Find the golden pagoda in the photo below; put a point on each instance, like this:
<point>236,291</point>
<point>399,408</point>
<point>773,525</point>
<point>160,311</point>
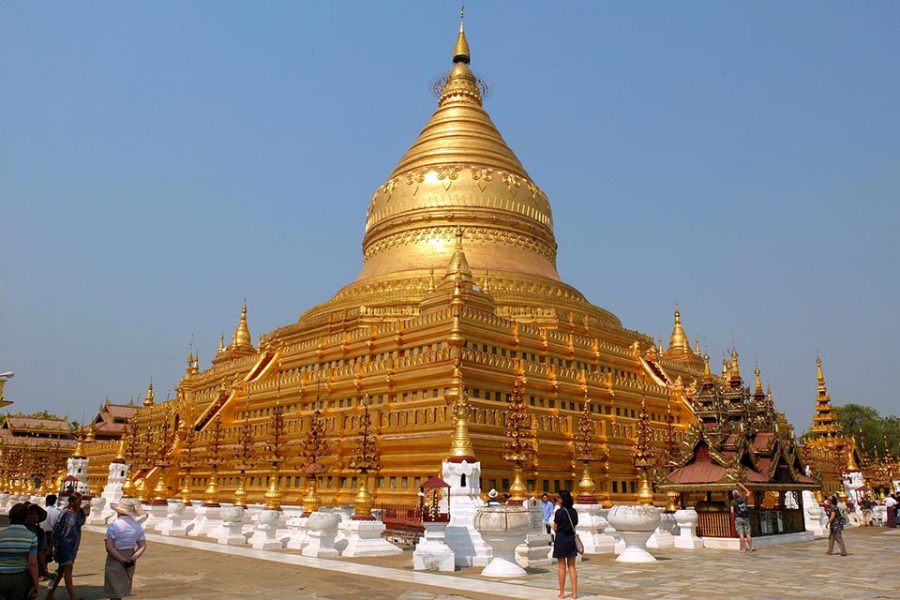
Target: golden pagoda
<point>831,453</point>
<point>417,339</point>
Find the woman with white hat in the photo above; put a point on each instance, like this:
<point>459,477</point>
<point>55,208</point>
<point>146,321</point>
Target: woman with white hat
<point>493,498</point>
<point>125,543</point>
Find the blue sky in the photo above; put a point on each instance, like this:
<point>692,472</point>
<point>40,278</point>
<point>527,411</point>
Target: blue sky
<point>160,161</point>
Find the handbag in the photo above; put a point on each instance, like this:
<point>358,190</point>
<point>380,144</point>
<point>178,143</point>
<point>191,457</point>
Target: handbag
<point>579,547</point>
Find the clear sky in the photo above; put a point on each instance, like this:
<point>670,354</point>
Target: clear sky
<point>160,161</point>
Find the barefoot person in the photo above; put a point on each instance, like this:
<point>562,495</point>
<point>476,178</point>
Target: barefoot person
<point>741,513</point>
<point>67,538</point>
<point>125,544</point>
<point>564,549</point>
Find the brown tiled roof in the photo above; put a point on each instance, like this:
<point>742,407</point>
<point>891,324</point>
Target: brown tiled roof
<point>37,424</point>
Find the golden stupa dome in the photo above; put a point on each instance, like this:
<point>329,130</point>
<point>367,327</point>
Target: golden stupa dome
<point>460,173</point>
<point>460,182</point>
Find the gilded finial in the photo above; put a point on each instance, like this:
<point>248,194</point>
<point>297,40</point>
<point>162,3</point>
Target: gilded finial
<point>697,346</point>
<point>148,399</point>
<point>821,377</point>
<point>707,375</point>
<point>222,342</point>
<point>484,281</point>
<point>90,434</point>
<point>759,390</point>
<point>431,280</point>
<point>120,451</point>
<point>679,341</point>
<point>241,340</point>
<point>458,269</point>
<point>461,50</point>
<point>735,367</point>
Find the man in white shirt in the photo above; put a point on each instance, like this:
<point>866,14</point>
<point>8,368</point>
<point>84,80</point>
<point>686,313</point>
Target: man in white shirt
<point>52,513</point>
<point>889,501</point>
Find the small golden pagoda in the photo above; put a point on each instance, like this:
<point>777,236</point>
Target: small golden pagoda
<point>831,454</point>
<point>458,297</point>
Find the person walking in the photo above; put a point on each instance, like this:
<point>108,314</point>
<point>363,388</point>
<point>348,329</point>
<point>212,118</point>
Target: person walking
<point>835,526</point>
<point>741,513</point>
<point>67,538</point>
<point>36,516</point>
<point>547,508</point>
<point>18,557</point>
<point>47,525</point>
<point>565,549</point>
<point>125,543</point>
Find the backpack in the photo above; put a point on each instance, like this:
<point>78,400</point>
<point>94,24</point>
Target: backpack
<point>843,514</point>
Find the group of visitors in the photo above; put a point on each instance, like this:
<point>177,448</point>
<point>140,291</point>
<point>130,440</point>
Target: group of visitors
<point>37,536</point>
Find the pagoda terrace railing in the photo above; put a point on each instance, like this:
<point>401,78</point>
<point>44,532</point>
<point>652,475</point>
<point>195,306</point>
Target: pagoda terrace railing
<point>762,522</point>
<point>402,520</point>
<point>715,524</point>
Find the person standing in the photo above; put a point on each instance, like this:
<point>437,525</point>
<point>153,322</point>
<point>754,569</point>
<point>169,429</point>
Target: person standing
<point>741,513</point>
<point>865,507</point>
<point>835,526</point>
<point>493,498</point>
<point>18,557</point>
<point>67,538</point>
<point>547,508</point>
<point>47,525</point>
<point>36,516</point>
<point>890,505</point>
<point>565,550</point>
<point>125,543</point>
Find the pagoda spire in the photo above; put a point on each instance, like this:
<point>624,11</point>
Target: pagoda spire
<point>222,342</point>
<point>461,49</point>
<point>241,340</point>
<point>758,393</point>
<point>736,380</point>
<point>458,270</point>
<point>148,399</point>
<point>679,343</point>
<point>824,423</point>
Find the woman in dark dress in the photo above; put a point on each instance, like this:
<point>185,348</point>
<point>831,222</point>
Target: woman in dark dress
<point>564,551</point>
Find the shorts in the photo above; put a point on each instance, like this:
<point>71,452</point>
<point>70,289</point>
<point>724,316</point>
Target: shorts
<point>742,525</point>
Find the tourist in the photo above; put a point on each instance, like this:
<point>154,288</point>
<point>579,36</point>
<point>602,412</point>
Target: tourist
<point>66,539</point>
<point>493,498</point>
<point>565,549</point>
<point>890,504</point>
<point>53,513</point>
<point>36,516</point>
<point>835,525</point>
<point>18,557</point>
<point>865,508</point>
<point>547,508</point>
<point>125,543</point>
<point>741,513</point>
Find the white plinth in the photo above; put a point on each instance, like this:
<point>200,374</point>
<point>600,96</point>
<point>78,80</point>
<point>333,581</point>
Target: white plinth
<point>266,535</point>
<point>432,553</point>
<point>504,528</point>
<point>635,524</point>
<point>321,530</point>
<point>96,516</point>
<point>112,491</point>
<point>814,519</point>
<point>469,548</point>
<point>662,536</point>
<point>232,528</point>
<point>591,529</point>
<point>364,539</point>
<point>156,514</point>
<point>206,518</point>
<point>175,523</point>
<point>297,537</point>
<point>763,541</point>
<point>687,538</point>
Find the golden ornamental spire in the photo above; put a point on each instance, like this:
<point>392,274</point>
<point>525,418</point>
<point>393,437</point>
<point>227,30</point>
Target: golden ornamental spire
<point>79,448</point>
<point>759,390</point>
<point>89,437</point>
<point>120,451</point>
<point>461,448</point>
<point>678,341</point>
<point>821,377</point>
<point>148,399</point>
<point>707,375</point>
<point>458,269</point>
<point>461,50</point>
<point>735,368</point>
<point>241,340</point>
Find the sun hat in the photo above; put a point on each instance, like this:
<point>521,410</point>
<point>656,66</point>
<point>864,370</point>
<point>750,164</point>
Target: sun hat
<point>128,506</point>
<point>493,493</point>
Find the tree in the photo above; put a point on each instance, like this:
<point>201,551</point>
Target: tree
<point>871,430</point>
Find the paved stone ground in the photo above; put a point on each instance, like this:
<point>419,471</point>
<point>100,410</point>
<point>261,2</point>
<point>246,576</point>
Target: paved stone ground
<point>790,571</point>
<point>187,574</point>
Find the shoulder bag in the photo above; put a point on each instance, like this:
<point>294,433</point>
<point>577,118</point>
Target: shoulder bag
<point>579,547</point>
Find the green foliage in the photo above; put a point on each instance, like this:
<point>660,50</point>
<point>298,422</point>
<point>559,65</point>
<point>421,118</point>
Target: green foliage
<point>872,431</point>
